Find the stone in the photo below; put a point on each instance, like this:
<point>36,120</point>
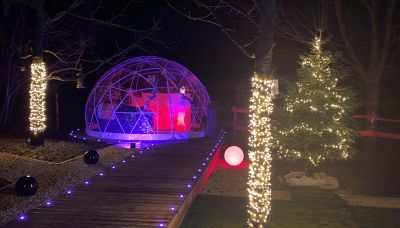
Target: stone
<point>317,180</point>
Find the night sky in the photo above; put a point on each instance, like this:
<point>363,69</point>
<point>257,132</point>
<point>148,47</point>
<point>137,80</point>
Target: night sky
<point>200,47</point>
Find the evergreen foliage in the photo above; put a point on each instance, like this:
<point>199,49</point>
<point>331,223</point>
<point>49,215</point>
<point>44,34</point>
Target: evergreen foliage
<point>316,117</point>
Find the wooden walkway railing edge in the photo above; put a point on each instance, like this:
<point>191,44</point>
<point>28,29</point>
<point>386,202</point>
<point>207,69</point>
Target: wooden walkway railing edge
<point>198,187</point>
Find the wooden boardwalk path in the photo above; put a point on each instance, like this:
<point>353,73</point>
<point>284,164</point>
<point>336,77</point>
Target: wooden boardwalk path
<point>154,189</point>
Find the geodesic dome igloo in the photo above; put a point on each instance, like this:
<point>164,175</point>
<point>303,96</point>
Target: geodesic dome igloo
<point>147,98</point>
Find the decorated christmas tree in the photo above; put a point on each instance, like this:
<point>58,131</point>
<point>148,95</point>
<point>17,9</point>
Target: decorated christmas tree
<point>315,123</point>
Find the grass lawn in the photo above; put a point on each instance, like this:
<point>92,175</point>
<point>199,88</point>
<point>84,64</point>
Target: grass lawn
<point>373,173</point>
<point>308,209</point>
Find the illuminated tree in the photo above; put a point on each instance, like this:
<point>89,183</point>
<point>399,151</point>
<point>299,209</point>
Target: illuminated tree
<point>317,111</point>
<point>365,32</point>
<point>249,25</point>
<point>61,47</point>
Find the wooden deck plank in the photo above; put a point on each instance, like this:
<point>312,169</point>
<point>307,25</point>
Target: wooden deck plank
<point>138,193</point>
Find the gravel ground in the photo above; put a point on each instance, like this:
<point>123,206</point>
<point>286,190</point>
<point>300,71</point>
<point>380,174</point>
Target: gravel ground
<point>53,179</point>
<point>52,151</point>
<point>4,182</point>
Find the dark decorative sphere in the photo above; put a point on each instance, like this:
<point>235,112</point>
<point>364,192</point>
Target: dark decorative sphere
<point>91,157</point>
<point>35,140</point>
<point>26,186</point>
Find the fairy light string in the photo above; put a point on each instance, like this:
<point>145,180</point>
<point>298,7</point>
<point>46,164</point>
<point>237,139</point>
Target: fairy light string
<point>37,117</point>
<point>259,185</point>
<point>318,111</point>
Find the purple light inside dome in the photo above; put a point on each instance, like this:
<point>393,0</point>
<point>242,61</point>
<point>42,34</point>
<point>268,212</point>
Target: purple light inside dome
<point>181,196</point>
<point>139,69</point>
<point>172,208</point>
<point>22,217</point>
<point>194,177</point>
<point>199,170</point>
<point>101,174</point>
<point>123,161</point>
<point>133,156</point>
<point>210,154</point>
<point>49,203</point>
<point>204,163</point>
<point>207,159</point>
<point>189,185</point>
<point>86,182</point>
<point>161,225</point>
<point>141,152</point>
<point>124,145</point>
<point>84,138</point>
<point>98,140</point>
<point>113,167</point>
<point>78,129</point>
<point>69,191</point>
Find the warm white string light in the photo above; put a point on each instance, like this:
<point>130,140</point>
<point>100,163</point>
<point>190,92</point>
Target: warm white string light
<point>317,95</point>
<point>37,94</point>
<point>259,185</point>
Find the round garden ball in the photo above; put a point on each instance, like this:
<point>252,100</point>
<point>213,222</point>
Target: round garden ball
<point>233,155</point>
<point>91,157</point>
<point>26,186</point>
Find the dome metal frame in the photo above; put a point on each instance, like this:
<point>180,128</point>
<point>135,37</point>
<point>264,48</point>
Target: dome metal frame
<point>147,98</point>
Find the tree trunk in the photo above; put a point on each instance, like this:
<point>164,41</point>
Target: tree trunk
<point>308,168</point>
<point>7,107</point>
<point>263,66</point>
<point>372,107</point>
<point>37,45</point>
<point>37,49</point>
<point>57,114</point>
<point>6,118</point>
<point>4,112</point>
<point>372,102</point>
<point>263,52</point>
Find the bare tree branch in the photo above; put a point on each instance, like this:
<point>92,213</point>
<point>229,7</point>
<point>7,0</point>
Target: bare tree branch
<point>356,62</point>
<point>211,16</point>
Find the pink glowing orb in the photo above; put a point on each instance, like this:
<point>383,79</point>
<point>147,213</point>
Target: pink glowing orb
<point>233,155</point>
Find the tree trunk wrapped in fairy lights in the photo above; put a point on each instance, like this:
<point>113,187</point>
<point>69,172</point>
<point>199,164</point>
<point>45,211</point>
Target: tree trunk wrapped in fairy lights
<point>37,94</point>
<point>259,185</point>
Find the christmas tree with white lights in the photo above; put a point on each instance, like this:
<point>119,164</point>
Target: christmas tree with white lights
<point>317,113</point>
